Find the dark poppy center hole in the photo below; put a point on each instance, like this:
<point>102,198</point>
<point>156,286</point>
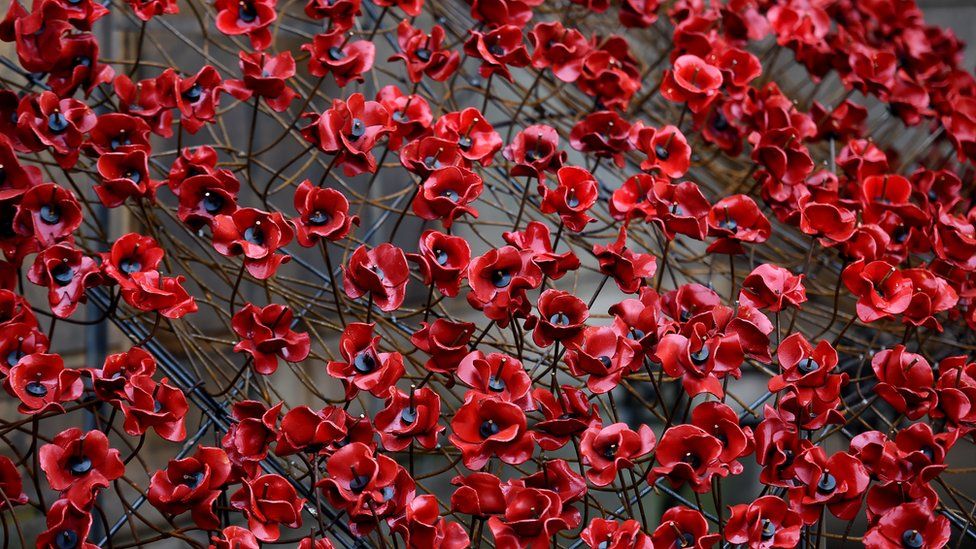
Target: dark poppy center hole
<point>808,365</point>
<point>661,152</point>
<point>559,319</point>
<point>79,465</point>
<point>700,356</point>
<point>57,123</point>
<point>364,362</point>
<point>912,539</point>
<point>423,54</point>
<point>193,94</point>
<point>36,389</point>
<point>50,214</point>
<point>336,53</point>
<point>246,12</point>
<point>66,539</point>
<point>192,480</point>
<point>318,218</point>
<point>827,483</point>
<point>441,256</point>
<point>768,529</point>
<point>254,235</point>
<point>496,384</point>
<point>501,278</point>
<point>212,202</point>
<point>63,274</point>
<point>605,360</point>
<point>358,128</point>
<point>488,428</point>
<point>130,265</point>
<point>359,483</point>
<point>692,459</point>
<point>408,415</point>
<point>464,143</point>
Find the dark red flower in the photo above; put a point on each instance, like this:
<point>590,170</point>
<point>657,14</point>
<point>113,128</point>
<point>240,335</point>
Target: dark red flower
<point>905,381</point>
<point>683,527</point>
<point>535,151</point>
<point>365,368</point>
<point>248,439</point>
<point>152,291</point>
<point>445,341</point>
<point>443,261</point>
<point>604,357</point>
<point>772,287</point>
<point>497,375</point>
<point>558,48</point>
<point>666,149</point>
<point>956,388</point>
<point>149,99</point>
<point>11,485</point>
<point>837,483</point>
<point>42,383</point>
<point>118,132</point>
<point>498,281</point>
<point>132,253</point>
<point>532,517</point>
<point>536,238</point>
<point>79,465</point>
<point>638,13</point>
<point>575,193</point>
<point>335,52</point>
<point>603,133</point>
<point>205,196</point>
<point>608,450</point>
<point>256,235</point>
<point>678,208</point>
<point>736,219</point>
<point>609,534</point>
<point>67,526</point>
<point>486,426</point>
<point>610,73</point>
<point>765,523</point>
<point>909,525</point>
<point>476,139</point>
<point>265,76</point>
<point>566,413</point>
<point>423,526</point>
<point>235,537</point>
<point>932,295</point>
<point>147,9</point>
<point>424,54</point>
<point>192,483</point>
<point>426,154</point>
<point>498,49</point>
<point>197,96</point>
<point>349,129</point>
<point>268,501</point>
<point>305,430</point>
<point>125,175</point>
<point>409,417</point>
<point>478,494</point>
<point>628,268</point>
<point>266,335</point>
<point>381,271</point>
<point>48,213</point>
<point>46,121</point>
<point>322,213</point>
<point>158,405</point>
<point>689,455</point>
<point>410,115</point>
<point>692,81</point>
<point>562,317</point>
<point>446,194</point>
<point>110,382</point>
<point>250,17</point>
<point>67,274</point>
<point>882,290</point>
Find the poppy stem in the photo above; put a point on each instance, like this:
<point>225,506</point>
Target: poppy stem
<point>35,456</point>
<point>664,264</point>
<point>369,308</point>
<point>250,142</point>
<point>430,298</point>
<point>525,198</point>
<point>138,58</point>
<point>237,287</point>
<point>482,336</point>
<point>525,99</point>
<point>403,212</point>
<point>379,20</point>
<point>484,105</point>
<point>597,292</point>
<point>732,278</point>
<point>332,282</point>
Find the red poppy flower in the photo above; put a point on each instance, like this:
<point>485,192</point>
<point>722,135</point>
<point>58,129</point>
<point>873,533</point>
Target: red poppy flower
<point>931,295</point>
<point>907,526</point>
<point>498,283</point>
<point>315,543</point>
<point>603,133</point>
<point>532,517</point>
<point>679,208</point>
<point>248,439</point>
<point>192,483</point>
<point>367,485</point>
<point>381,271</point>
<point>772,287</point>
<point>20,339</point>
<point>562,317</point>
<point>476,139</point>
<point>131,253</point>
<point>905,381</point>
<point>147,9</point>
<point>734,220</point>
<point>723,423</point>
<point>67,274</point>
<point>77,66</point>
<point>478,494</point>
<point>486,426</point>
<point>305,430</point>
<point>639,319</point>
<point>425,54</point>
<point>11,485</point>
<point>498,49</point>
<point>831,222</point>
<point>575,193</point>
<point>426,154</point>
<point>566,413</point>
<point>666,149</point>
<point>683,527</point>
<point>341,13</point>
<point>112,379</point>
<point>692,81</point>
<point>250,17</point>
<point>409,417</point>
<point>781,152</point>
<point>499,376</point>
<point>197,97</point>
<point>322,213</point>
<point>125,175</point>
<point>118,132</point>
<point>808,368</point>
<point>150,99</point>
<point>502,12</point>
<point>535,151</point>
<point>79,465</point>
<point>689,455</point>
<point>609,534</point>
<point>837,483</point>
<point>67,526</point>
<point>45,121</point>
<point>268,501</point>
<point>765,523</point>
<point>42,383</point>
<point>445,341</point>
<point>154,292</point>
<point>628,268</point>
<point>203,197</point>
<point>266,335</point>
<point>256,235</point>
<point>558,48</point>
<point>956,388</point>
<point>158,405</point>
<point>48,213</point>
<point>604,357</point>
<point>335,52</point>
<point>608,450</point>
<point>265,76</point>
<point>536,238</point>
<point>349,129</point>
<point>610,73</point>
<point>423,526</point>
<point>365,368</point>
<point>192,161</point>
<point>235,537</point>
<point>443,261</point>
<point>446,195</point>
<point>882,290</point>
<point>410,115</point>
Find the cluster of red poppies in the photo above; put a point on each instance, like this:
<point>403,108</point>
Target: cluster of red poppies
<point>535,438</point>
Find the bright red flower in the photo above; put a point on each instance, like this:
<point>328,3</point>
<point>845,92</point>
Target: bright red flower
<point>42,383</point>
<point>45,121</point>
<point>409,417</point>
<point>498,281</point>
<point>535,151</point>
<point>487,426</point>
<point>497,375</point>
<point>536,238</point>
<point>48,213</point>
<point>11,485</point>
<point>689,455</point>
<point>132,253</point>
<point>268,501</point>
<point>734,220</point>
<point>423,526</point>
<point>410,115</point>
<point>235,537</point>
<point>498,49</point>
<point>192,483</point>
<point>692,81</point>
<point>532,517</point>
<point>266,335</point>
<point>443,261</point>
<point>905,381</point>
<point>909,525</point>
<point>205,196</point>
<point>249,437</point>
<point>604,357</point>
<point>575,193</point>
<point>475,137</point>
<point>666,149</point>
<point>628,268</point>
<point>349,129</point>
<point>335,52</point>
<point>250,17</point>
<point>322,213</point>
<point>381,271</point>
<point>837,483</point>
<point>265,76</point>
<point>608,450</point>
<point>79,465</point>
<point>603,133</point>
<point>152,291</point>
<point>424,54</point>
<point>365,368</point>
<point>882,290</point>
<point>478,494</point>
<point>445,341</point>
<point>772,287</point>
<point>765,523</point>
<point>558,48</point>
<point>683,527</point>
<point>67,274</point>
<point>125,175</point>
<point>67,526</point>
<point>446,194</point>
<point>562,317</point>
<point>256,235</point>
<point>608,534</point>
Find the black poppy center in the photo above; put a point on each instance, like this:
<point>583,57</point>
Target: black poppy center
<point>212,202</point>
<point>36,389</point>
<point>56,122</point>
<point>66,539</point>
<point>130,265</point>
<point>441,256</point>
<point>193,94</point>
<point>318,218</point>
<point>686,539</point>
<point>359,483</point>
<point>559,319</point>
<point>423,54</point>
<point>496,50</point>
<point>401,117</point>
<point>605,360</point>
<point>408,415</point>
<point>572,201</point>
<point>496,384</point>
<point>729,224</point>
<point>50,214</point>
<point>827,483</point>
<point>912,539</point>
<point>488,428</point>
<point>254,235</point>
<point>364,362</point>
<point>661,152</point>
<point>808,365</point>
<point>62,274</point>
<point>768,529</point>
<point>79,465</point>
<point>246,12</point>
<point>464,143</point>
<point>358,128</point>
<point>636,334</point>
<point>336,53</point>
<point>720,123</point>
<point>700,356</point>
<point>692,459</point>
<point>451,195</point>
<point>610,451</point>
<point>192,480</point>
<point>14,357</point>
<point>501,278</point>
